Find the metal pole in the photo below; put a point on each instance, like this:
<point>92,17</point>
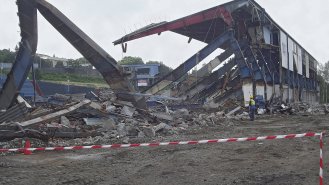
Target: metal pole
<point>326,92</point>
<point>273,90</point>
<point>322,92</point>
<point>1,70</point>
<point>196,66</point>
<point>68,86</point>
<point>34,83</point>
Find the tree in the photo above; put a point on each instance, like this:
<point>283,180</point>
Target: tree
<point>38,75</point>
<point>46,63</point>
<point>59,65</point>
<point>323,77</point>
<point>82,61</point>
<point>6,56</point>
<point>73,63</point>
<point>131,61</point>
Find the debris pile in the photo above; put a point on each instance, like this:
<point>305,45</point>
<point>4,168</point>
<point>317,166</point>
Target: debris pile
<point>99,119</point>
<point>66,120</point>
<point>300,108</point>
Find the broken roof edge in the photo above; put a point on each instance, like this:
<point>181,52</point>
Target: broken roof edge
<point>158,28</point>
<point>140,33</point>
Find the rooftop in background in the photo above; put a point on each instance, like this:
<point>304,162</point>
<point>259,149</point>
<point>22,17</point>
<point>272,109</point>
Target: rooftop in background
<point>46,57</point>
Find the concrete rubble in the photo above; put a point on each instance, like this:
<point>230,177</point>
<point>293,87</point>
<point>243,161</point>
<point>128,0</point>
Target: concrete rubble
<point>73,119</point>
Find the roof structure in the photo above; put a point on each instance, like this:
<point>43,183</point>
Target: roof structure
<point>208,24</point>
<point>203,26</point>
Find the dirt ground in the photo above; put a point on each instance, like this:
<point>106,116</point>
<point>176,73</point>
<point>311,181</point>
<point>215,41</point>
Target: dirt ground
<point>276,162</point>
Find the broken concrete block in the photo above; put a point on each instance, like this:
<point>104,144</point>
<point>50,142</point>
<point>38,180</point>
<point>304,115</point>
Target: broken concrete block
<point>122,130</point>
<point>162,127</point>
<point>108,124</point>
<point>309,110</point>
<point>212,115</point>
<point>179,121</point>
<point>233,111</point>
<point>65,121</point>
<point>220,114</point>
<point>77,97</point>
<point>110,108</point>
<point>261,111</point>
<point>148,131</point>
<point>132,131</point>
<point>125,140</point>
<point>141,135</point>
<point>95,105</point>
<point>184,125</point>
<point>182,112</point>
<point>202,116</point>
<point>61,97</point>
<point>52,125</point>
<point>128,111</point>
<point>162,115</point>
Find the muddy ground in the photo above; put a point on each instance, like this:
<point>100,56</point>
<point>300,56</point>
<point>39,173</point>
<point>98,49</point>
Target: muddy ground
<point>274,162</point>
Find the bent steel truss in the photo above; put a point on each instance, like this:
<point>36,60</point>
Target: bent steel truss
<point>99,58</point>
<point>27,14</point>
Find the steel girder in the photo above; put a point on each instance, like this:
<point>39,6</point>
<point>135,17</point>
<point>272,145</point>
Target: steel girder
<point>269,75</point>
<point>244,67</point>
<point>238,60</point>
<point>214,86</point>
<point>99,58</point>
<point>104,63</point>
<point>209,67</point>
<point>207,82</point>
<point>218,60</point>
<point>190,63</point>
<point>256,70</point>
<point>27,14</point>
<point>235,85</point>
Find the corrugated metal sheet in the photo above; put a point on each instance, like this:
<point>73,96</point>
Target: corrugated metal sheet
<point>284,53</point>
<point>300,60</point>
<point>15,113</point>
<point>307,66</point>
<point>291,54</point>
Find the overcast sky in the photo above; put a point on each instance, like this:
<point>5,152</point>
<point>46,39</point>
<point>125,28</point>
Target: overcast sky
<point>107,20</point>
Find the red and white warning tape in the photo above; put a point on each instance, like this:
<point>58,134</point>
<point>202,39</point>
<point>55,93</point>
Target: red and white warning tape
<point>321,160</point>
<point>290,136</point>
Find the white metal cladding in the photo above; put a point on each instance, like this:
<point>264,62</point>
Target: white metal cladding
<point>260,90</point>
<point>269,92</point>
<point>300,60</point>
<point>285,93</point>
<point>284,54</point>
<point>247,91</point>
<point>291,95</point>
<point>295,56</point>
<point>277,90</point>
<point>291,54</point>
<point>307,65</point>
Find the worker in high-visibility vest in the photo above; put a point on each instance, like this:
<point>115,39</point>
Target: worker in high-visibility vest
<point>252,108</point>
